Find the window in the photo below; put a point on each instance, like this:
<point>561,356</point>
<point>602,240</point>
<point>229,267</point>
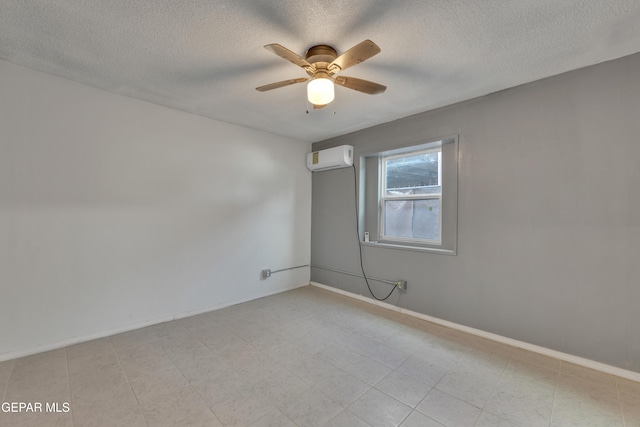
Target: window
<point>411,197</point>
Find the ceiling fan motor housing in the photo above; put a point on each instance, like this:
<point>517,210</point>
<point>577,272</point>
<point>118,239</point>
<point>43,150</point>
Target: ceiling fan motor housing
<point>321,53</point>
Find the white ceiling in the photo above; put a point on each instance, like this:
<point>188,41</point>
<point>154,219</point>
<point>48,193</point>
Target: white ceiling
<point>206,56</point>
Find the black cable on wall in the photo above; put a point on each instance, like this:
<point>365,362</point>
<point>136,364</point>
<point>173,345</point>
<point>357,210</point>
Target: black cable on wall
<point>355,194</point>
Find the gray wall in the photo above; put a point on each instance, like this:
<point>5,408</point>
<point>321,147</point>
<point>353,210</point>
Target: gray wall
<point>548,215</point>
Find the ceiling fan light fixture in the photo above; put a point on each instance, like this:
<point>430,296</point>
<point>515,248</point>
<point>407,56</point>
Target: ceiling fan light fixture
<point>320,91</point>
<point>322,64</point>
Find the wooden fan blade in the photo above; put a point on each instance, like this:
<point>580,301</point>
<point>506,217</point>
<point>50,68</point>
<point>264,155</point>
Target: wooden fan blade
<point>281,84</point>
<point>360,52</point>
<point>290,56</point>
<point>364,86</point>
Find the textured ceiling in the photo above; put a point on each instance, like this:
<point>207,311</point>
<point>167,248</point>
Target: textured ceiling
<point>206,56</point>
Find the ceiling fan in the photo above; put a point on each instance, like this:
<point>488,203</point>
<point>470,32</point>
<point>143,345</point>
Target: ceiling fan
<point>322,63</point>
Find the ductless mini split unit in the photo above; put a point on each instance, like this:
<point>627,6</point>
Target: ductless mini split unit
<point>331,158</point>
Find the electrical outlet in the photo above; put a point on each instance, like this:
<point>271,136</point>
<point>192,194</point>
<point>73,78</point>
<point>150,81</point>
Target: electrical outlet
<point>402,285</point>
<point>265,274</point>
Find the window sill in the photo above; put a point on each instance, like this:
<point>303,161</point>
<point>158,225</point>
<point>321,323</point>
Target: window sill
<point>387,245</point>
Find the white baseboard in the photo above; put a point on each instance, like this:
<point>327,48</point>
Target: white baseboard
<point>109,332</point>
<point>587,363</point>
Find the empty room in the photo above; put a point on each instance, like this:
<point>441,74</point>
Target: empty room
<point>341,213</point>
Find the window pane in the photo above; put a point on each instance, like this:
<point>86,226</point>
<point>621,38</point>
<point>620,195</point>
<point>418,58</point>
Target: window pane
<point>413,219</point>
<point>416,174</point>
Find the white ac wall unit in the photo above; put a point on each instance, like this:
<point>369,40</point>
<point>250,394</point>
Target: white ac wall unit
<point>331,158</point>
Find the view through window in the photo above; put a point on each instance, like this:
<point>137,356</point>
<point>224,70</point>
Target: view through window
<point>411,197</point>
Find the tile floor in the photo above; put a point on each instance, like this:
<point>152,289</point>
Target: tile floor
<point>309,357</point>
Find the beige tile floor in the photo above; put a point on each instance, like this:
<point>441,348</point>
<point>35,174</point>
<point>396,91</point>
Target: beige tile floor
<point>309,357</point>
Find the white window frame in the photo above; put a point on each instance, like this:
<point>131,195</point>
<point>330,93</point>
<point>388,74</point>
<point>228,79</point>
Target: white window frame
<point>383,197</point>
